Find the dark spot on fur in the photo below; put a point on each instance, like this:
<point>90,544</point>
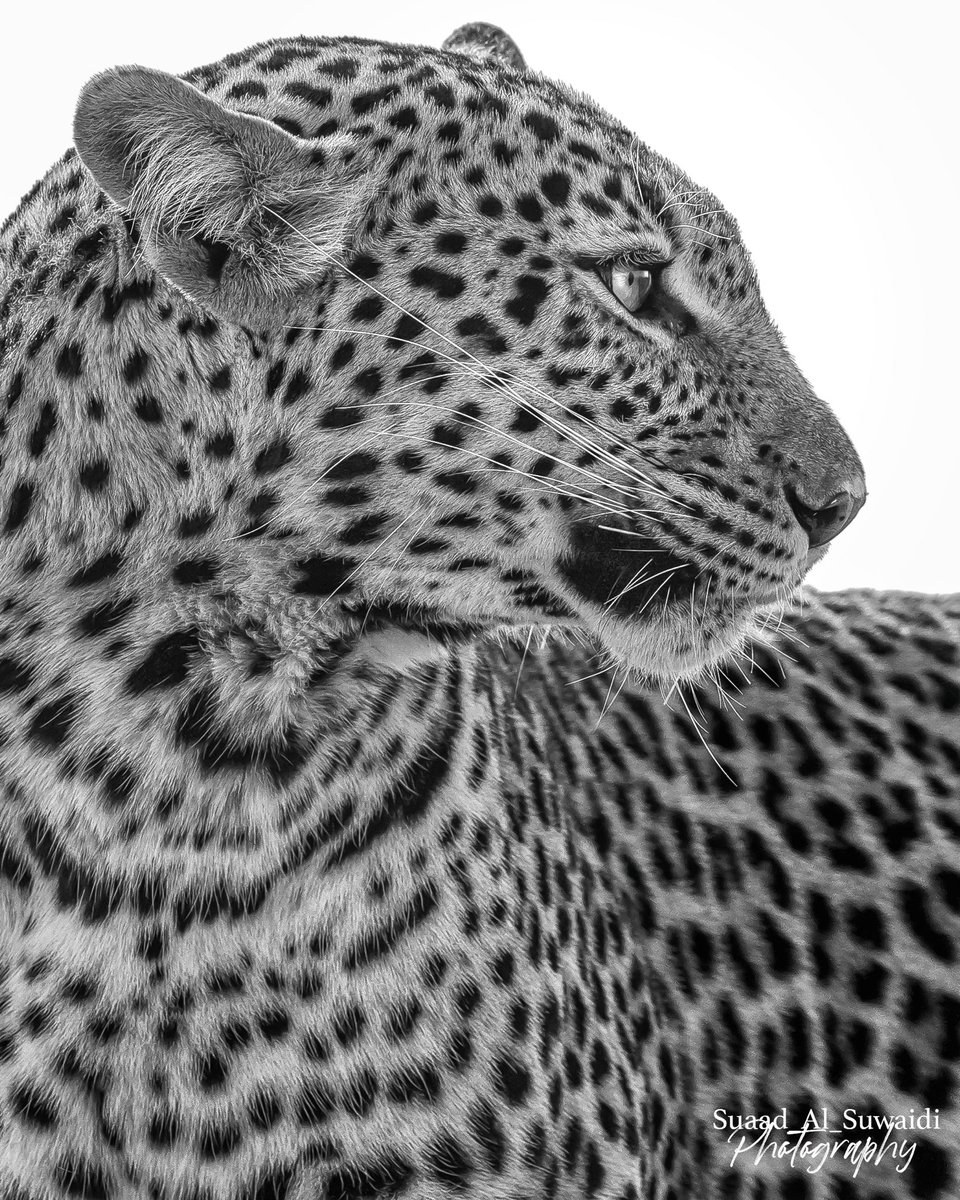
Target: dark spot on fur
<point>442,283</point>
<point>21,499</point>
<point>322,575</point>
<point>167,662</point>
<point>94,474</point>
<point>271,458</point>
<point>531,291</point>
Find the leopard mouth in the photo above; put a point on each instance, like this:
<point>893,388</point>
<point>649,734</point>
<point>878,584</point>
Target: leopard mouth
<point>625,572</point>
<point>659,618</point>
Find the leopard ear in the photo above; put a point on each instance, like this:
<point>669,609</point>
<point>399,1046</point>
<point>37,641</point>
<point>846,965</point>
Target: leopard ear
<point>233,210</point>
<point>486,42</point>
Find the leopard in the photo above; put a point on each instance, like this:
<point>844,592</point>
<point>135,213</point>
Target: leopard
<point>425,772</point>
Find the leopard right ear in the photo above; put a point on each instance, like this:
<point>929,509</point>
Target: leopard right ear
<point>489,42</point>
<point>236,212</point>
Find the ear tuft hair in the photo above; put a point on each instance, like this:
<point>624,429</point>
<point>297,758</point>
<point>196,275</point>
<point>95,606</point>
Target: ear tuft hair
<point>235,211</point>
<point>489,42</point>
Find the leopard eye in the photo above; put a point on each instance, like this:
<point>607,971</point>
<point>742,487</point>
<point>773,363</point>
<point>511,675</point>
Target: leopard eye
<point>629,283</point>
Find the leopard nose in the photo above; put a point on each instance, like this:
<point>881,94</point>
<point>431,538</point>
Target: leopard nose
<point>822,522</point>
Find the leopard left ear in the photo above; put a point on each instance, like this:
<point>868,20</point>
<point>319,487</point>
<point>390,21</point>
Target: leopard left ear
<point>483,41</point>
<point>233,210</point>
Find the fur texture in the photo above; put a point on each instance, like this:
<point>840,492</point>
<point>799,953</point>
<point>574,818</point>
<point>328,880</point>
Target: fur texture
<point>313,391</point>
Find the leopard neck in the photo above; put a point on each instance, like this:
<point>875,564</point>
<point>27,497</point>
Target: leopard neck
<point>392,760</point>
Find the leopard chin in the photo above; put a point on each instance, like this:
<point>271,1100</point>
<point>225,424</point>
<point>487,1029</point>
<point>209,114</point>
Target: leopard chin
<point>659,616</point>
<point>675,644</point>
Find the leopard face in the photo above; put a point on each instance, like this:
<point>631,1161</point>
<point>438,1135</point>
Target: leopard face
<point>487,360</point>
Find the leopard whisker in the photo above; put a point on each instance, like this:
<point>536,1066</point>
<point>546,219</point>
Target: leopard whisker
<point>609,702</point>
<point>701,733</point>
<point>723,237</point>
<point>640,577</point>
<point>500,467</point>
<point>523,659</point>
<point>463,418</point>
<point>403,549</point>
<point>593,675</point>
<point>634,581</point>
<point>449,341</point>
<point>681,198</point>
<point>498,381</point>
<point>365,561</point>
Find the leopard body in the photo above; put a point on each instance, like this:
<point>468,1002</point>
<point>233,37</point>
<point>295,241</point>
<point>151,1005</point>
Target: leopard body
<point>311,888</point>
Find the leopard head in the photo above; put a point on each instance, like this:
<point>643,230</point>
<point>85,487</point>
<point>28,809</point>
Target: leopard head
<point>495,363</point>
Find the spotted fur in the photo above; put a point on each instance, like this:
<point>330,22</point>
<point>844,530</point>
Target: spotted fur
<point>311,387</point>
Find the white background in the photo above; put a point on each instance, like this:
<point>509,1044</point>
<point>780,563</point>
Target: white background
<point>827,127</point>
